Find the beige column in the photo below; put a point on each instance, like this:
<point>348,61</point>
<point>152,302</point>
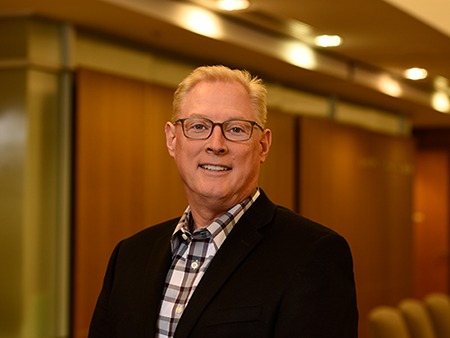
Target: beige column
<point>34,178</point>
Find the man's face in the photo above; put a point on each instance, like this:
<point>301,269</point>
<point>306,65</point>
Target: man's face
<point>216,169</point>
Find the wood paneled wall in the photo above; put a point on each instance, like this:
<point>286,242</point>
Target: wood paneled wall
<point>278,174</point>
<point>354,181</point>
<point>124,178</point>
<point>432,212</point>
<point>432,220</point>
<point>359,183</point>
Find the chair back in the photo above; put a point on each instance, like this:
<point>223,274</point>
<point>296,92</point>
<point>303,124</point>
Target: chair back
<point>438,306</point>
<point>417,318</point>
<point>387,322</point>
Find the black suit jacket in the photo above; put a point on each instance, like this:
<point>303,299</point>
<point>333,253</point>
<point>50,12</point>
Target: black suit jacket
<point>276,275</point>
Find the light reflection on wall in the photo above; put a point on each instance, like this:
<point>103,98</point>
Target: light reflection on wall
<point>300,55</point>
<point>201,22</point>
<point>440,101</point>
<point>389,86</point>
<point>12,135</point>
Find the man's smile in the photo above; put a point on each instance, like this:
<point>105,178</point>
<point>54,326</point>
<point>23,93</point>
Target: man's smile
<point>214,167</point>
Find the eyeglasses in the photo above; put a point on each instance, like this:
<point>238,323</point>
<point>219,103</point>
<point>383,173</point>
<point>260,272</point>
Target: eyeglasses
<point>233,130</point>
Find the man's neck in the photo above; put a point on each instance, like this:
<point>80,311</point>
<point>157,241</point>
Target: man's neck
<point>206,211</point>
<point>202,217</point>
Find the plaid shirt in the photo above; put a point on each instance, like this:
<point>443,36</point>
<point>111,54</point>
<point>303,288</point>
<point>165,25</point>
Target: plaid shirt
<point>192,254</point>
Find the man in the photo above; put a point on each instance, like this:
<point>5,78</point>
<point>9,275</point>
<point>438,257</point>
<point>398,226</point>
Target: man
<point>235,264</point>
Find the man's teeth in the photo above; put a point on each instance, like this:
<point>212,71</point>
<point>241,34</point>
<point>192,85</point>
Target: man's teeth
<point>214,167</point>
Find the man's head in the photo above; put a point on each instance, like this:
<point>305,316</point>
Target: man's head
<point>215,169</point>
<point>253,85</point>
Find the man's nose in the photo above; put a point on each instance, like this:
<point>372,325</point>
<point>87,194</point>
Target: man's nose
<point>217,141</point>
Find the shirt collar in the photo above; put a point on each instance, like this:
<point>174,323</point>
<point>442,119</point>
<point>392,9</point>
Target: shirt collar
<point>219,229</point>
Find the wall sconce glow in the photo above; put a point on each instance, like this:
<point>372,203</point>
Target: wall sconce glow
<point>389,86</point>
<point>232,5</point>
<point>441,102</point>
<point>416,73</point>
<point>328,40</point>
<point>202,22</point>
<point>301,55</point>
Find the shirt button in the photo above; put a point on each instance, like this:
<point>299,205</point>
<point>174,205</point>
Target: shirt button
<point>194,265</point>
<point>178,310</point>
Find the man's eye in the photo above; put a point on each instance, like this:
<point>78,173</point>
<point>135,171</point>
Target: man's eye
<point>236,130</point>
<point>198,126</point>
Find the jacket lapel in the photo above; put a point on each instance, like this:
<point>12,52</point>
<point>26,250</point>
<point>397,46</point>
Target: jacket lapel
<point>158,265</point>
<point>239,243</point>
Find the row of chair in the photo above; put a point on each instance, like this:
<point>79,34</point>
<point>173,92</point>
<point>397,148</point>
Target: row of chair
<point>412,318</point>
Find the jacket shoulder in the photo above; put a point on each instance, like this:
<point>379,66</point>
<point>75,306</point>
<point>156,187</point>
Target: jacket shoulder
<point>147,236</point>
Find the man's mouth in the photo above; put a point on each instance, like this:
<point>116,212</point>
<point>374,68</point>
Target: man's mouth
<point>214,167</point>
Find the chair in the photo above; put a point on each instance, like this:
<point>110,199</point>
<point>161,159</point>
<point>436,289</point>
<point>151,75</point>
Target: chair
<point>438,306</point>
<point>387,322</point>
<point>417,318</point>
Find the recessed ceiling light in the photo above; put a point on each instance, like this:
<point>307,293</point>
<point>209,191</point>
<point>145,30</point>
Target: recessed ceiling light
<point>328,40</point>
<point>415,73</point>
<point>232,5</point>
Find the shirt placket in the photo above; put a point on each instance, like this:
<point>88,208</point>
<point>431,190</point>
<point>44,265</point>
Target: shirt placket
<point>194,260</point>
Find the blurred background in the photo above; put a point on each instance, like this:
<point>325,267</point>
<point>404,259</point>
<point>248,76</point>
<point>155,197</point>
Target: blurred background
<point>358,97</point>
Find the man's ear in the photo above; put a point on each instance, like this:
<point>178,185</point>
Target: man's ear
<point>170,138</point>
<point>265,142</point>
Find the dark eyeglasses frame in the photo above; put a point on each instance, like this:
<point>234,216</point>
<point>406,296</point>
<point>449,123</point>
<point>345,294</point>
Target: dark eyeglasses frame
<point>253,123</point>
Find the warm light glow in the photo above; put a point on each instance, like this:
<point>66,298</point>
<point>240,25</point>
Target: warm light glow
<point>328,40</point>
<point>416,73</point>
<point>441,84</point>
<point>232,5</point>
<point>202,22</point>
<point>301,55</point>
<point>441,102</point>
<point>389,86</point>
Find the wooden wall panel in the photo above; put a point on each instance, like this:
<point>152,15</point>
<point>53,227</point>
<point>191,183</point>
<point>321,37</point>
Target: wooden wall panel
<point>432,219</point>
<point>108,171</point>
<point>277,176</point>
<point>360,184</point>
<point>164,193</point>
<point>124,178</point>
<point>432,211</point>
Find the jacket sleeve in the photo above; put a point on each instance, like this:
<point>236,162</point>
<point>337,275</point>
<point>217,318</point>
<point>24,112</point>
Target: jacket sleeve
<point>99,323</point>
<point>320,299</point>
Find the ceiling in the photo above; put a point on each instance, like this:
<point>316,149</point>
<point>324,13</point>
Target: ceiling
<point>381,39</point>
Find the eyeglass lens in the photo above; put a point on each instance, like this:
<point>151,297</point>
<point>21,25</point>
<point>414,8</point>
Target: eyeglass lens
<point>233,130</point>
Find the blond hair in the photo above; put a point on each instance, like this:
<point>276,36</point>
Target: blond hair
<point>253,85</point>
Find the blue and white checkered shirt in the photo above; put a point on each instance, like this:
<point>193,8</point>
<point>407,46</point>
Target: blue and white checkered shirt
<point>192,254</point>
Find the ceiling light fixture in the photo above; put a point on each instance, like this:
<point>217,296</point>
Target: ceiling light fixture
<point>328,40</point>
<point>415,73</point>
<point>232,5</point>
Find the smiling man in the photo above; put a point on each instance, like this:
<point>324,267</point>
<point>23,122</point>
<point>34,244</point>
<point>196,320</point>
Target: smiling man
<point>234,264</point>
<point>218,164</point>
